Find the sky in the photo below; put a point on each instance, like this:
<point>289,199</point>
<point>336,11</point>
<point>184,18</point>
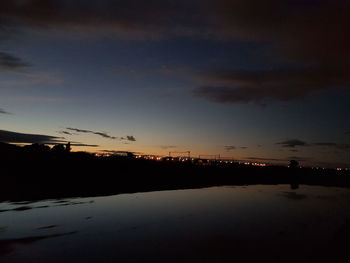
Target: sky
<point>263,80</point>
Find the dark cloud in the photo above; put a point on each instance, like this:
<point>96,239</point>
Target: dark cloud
<point>331,145</point>
<point>229,147</point>
<point>10,62</point>
<point>2,111</point>
<point>308,39</point>
<point>232,147</point>
<point>262,86</point>
<point>79,130</point>
<point>292,143</point>
<point>131,138</point>
<point>16,137</point>
<point>83,144</point>
<point>127,138</point>
<point>65,133</point>
<point>105,135</point>
<point>295,24</point>
<point>316,32</point>
<point>130,19</point>
<point>297,158</point>
<point>102,134</point>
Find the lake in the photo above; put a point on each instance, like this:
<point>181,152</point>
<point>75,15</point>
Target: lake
<point>217,224</point>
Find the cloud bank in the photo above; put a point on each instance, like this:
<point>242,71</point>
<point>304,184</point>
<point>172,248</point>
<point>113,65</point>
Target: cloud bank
<point>293,143</point>
<point>102,134</point>
<point>16,137</point>
<point>10,62</point>
<point>232,147</point>
<point>229,147</point>
<point>2,111</point>
<point>130,138</point>
<point>308,40</point>
<point>262,86</point>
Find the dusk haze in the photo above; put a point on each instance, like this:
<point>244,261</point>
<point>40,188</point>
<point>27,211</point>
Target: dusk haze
<point>104,101</point>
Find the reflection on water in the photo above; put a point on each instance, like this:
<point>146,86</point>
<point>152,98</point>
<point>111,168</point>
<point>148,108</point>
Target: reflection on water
<point>218,224</point>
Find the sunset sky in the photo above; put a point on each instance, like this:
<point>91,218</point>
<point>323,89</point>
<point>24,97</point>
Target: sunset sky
<point>264,80</point>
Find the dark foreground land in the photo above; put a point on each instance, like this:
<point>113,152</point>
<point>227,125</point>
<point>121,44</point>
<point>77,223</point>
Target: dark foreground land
<point>38,172</point>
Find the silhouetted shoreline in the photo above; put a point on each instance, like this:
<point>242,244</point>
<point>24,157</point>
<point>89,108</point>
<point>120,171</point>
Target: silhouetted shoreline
<point>38,172</point>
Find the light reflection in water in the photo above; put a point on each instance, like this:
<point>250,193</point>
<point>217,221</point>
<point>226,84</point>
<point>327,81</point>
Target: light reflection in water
<point>202,225</point>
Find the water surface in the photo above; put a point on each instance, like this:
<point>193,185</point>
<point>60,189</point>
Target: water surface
<point>218,224</point>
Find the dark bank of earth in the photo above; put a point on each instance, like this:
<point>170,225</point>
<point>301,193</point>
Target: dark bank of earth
<point>39,173</point>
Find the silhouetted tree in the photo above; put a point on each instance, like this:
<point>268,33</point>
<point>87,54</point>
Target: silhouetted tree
<point>68,147</point>
<point>58,149</point>
<point>37,148</point>
<point>130,155</point>
<point>293,164</point>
